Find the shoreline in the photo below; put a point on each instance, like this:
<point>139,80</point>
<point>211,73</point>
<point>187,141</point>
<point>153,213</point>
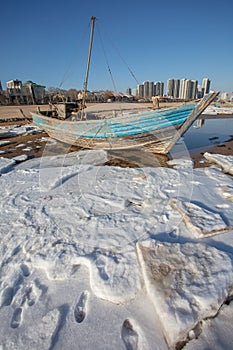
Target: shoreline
<point>225,148</point>
<point>13,113</point>
<point>33,144</point>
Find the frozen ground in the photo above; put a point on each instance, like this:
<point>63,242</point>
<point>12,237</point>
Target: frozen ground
<point>96,257</point>
<point>218,110</point>
<point>18,130</point>
<point>225,163</point>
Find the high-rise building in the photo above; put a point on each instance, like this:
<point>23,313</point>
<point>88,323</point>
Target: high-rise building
<point>151,89</point>
<point>146,88</point>
<point>161,90</point>
<point>128,91</point>
<point>193,94</point>
<point>188,89</point>
<point>206,85</point>
<point>158,88</point>
<point>170,87</point>
<point>182,88</point>
<point>176,90</point>
<point>0,86</point>
<point>200,91</point>
<point>140,90</point>
<point>173,88</point>
<point>135,92</point>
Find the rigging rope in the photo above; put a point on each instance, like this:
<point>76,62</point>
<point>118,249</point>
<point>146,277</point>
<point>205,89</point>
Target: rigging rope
<point>106,58</point>
<point>123,60</point>
<point>65,75</point>
<point>110,72</point>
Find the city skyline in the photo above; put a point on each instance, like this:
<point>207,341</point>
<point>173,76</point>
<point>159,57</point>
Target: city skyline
<point>47,42</point>
<point>184,88</point>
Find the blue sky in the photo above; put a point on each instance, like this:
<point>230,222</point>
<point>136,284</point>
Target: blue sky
<point>47,41</point>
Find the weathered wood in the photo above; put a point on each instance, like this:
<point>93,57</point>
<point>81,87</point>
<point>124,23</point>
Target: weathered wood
<point>158,131</point>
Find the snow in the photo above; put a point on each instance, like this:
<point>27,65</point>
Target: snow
<point>218,110</point>
<point>6,165</point>
<point>20,145</point>
<point>216,333</point>
<point>113,258</point>
<point>17,130</point>
<point>5,143</point>
<point>201,220</point>
<point>225,162</point>
<point>187,282</point>
<point>20,158</point>
<point>92,157</point>
<point>180,163</point>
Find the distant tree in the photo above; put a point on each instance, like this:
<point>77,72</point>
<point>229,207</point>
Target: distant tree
<point>72,94</point>
<point>53,90</point>
<point>108,95</point>
<point>56,94</point>
<point>3,99</point>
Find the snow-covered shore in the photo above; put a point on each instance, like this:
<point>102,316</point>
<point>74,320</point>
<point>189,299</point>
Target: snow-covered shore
<point>96,257</point>
<point>212,110</point>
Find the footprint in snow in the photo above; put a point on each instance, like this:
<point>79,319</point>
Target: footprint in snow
<point>9,293</point>
<point>80,307</point>
<point>7,296</point>
<point>25,270</point>
<point>129,335</point>
<point>101,263</point>
<point>30,295</point>
<point>16,318</point>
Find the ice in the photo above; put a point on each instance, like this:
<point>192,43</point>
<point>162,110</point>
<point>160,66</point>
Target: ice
<point>93,157</point>
<point>180,163</point>
<point>17,130</point>
<point>218,110</point>
<point>76,241</point>
<point>224,162</point>
<point>200,220</point>
<point>216,333</point>
<point>6,165</point>
<point>5,143</point>
<point>187,283</point>
<point>27,149</point>
<point>21,158</point>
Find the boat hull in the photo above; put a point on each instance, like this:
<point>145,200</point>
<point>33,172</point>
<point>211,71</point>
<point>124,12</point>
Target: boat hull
<point>157,142</point>
<point>158,131</point>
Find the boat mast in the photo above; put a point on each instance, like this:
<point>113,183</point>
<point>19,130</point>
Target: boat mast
<point>93,18</point>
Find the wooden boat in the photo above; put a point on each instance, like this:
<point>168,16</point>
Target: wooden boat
<point>113,126</point>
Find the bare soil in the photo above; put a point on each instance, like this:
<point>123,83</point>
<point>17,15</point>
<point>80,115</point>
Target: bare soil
<point>13,113</point>
<point>225,148</point>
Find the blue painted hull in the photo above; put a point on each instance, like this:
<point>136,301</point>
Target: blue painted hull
<point>151,128</point>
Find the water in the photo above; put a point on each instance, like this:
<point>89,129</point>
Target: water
<point>212,132</point>
<point>199,138</point>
